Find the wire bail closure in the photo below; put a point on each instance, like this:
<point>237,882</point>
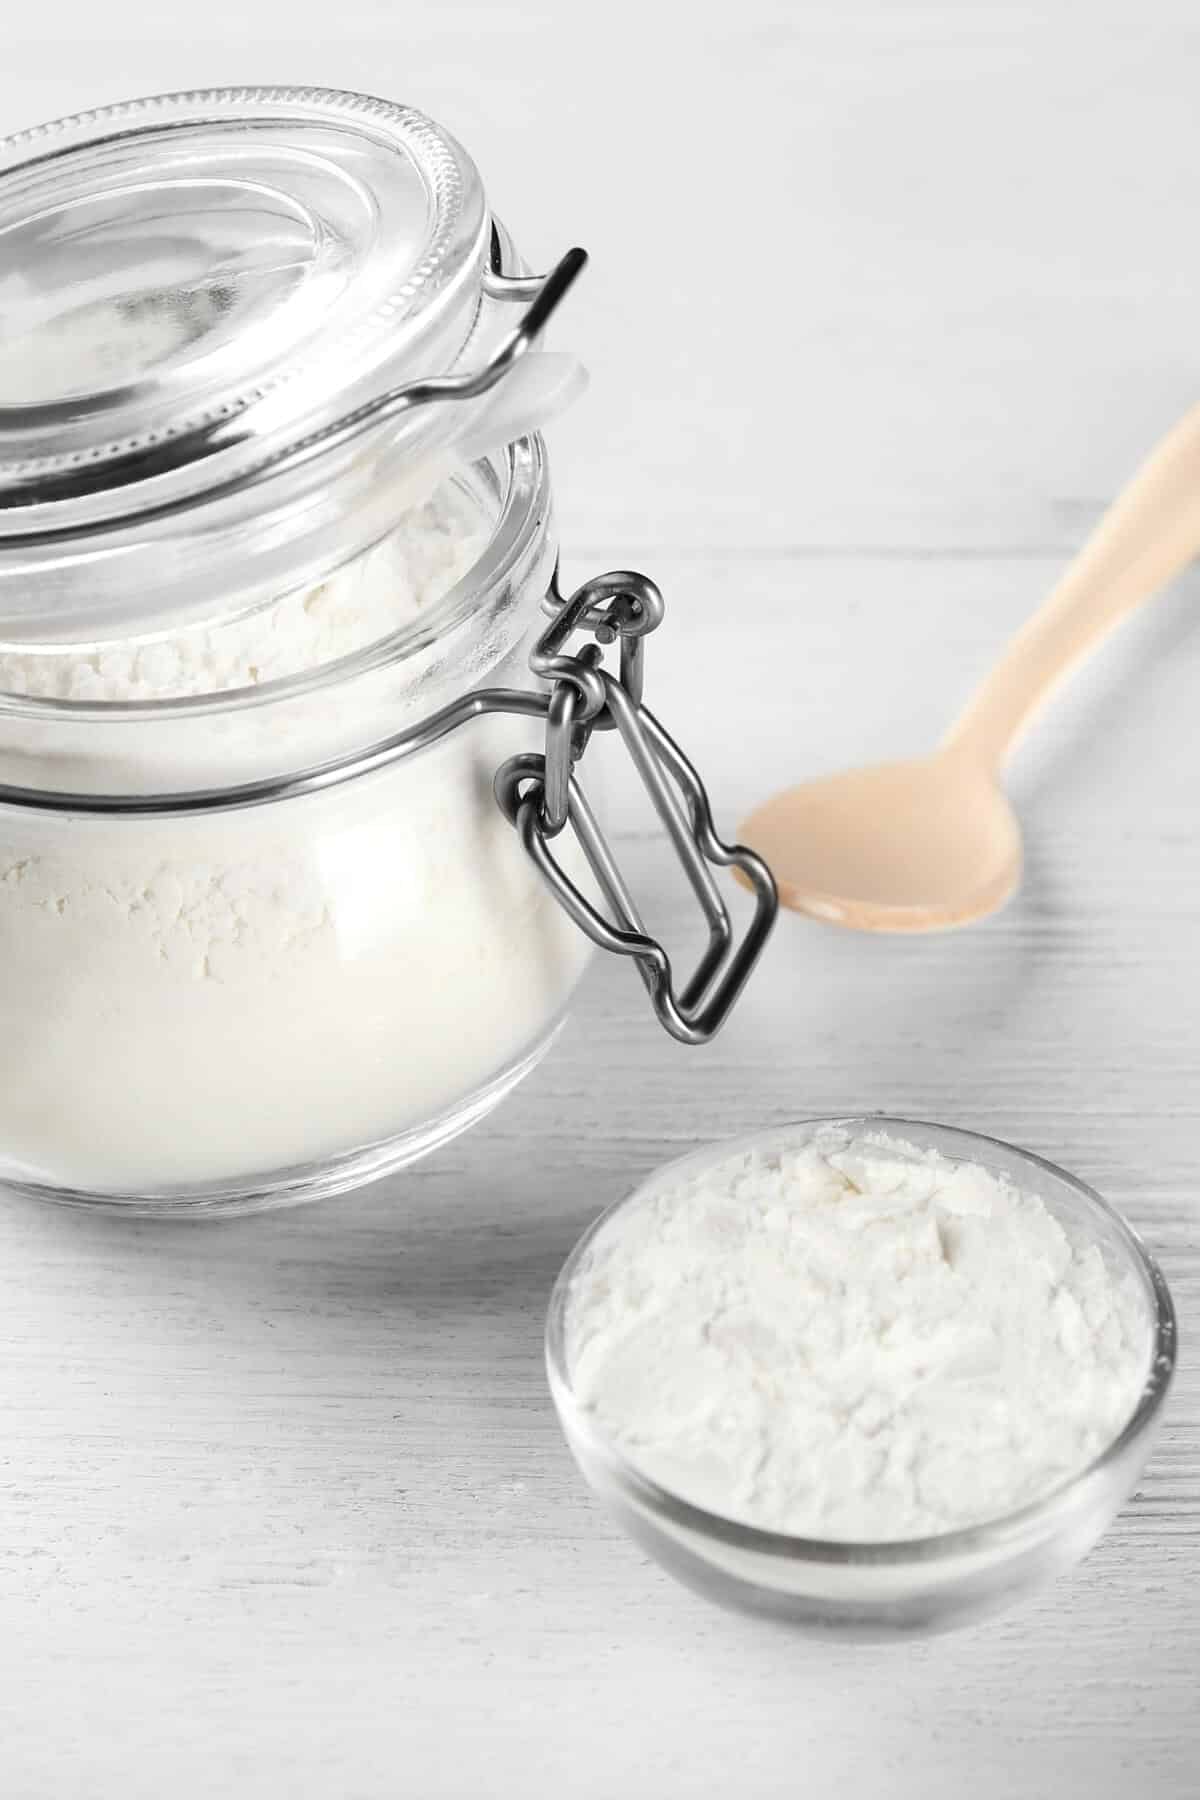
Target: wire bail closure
<point>541,796</point>
<point>543,295</point>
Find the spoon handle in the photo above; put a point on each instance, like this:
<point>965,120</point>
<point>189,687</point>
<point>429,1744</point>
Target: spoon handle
<point>1150,533</point>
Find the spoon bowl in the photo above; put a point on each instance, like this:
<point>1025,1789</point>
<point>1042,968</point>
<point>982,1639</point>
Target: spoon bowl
<point>930,843</point>
<point>904,846</point>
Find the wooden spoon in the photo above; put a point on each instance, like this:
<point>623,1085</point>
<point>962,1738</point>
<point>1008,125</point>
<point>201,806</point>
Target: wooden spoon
<point>933,842</point>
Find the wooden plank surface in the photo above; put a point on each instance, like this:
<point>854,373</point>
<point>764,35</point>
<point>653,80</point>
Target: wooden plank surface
<point>283,1506</point>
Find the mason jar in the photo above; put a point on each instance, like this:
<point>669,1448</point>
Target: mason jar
<point>297,875</point>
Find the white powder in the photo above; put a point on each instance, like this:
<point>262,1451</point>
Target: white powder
<point>853,1340</point>
<point>372,597</point>
<point>216,998</point>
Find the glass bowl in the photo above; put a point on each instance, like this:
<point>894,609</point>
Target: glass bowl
<point>903,1587</point>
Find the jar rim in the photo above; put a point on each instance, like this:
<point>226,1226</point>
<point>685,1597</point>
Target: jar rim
<point>520,472</point>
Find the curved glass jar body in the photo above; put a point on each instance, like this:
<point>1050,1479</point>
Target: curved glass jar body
<point>296,878</point>
<point>241,1007</point>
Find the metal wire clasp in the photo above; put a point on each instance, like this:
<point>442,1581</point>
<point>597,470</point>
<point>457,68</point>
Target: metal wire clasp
<point>541,796</point>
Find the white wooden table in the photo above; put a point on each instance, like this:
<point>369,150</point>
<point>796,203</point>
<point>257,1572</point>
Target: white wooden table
<point>283,1507</point>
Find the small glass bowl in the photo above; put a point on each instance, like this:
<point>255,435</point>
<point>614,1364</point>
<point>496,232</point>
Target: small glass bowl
<point>904,1587</point>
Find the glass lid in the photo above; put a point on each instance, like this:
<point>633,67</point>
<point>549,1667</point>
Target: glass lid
<point>189,283</point>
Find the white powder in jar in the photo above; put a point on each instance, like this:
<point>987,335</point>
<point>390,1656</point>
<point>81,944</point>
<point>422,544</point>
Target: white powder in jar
<point>371,597</point>
<point>852,1340</point>
<point>214,999</point>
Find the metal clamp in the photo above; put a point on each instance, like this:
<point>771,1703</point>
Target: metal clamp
<point>541,797</point>
<point>539,793</point>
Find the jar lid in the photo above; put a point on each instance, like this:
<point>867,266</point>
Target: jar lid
<point>243,330</point>
<point>187,281</point>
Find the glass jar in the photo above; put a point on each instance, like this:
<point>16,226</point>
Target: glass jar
<point>274,923</point>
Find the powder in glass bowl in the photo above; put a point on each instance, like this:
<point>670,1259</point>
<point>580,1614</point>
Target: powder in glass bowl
<point>852,1339</point>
